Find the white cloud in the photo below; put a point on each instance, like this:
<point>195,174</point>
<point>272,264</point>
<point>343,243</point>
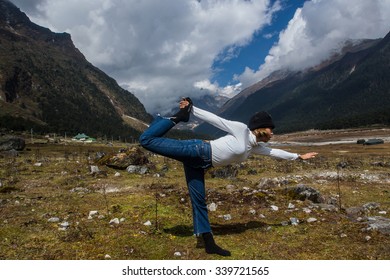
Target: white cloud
<point>157,49</point>
<point>319,28</point>
<point>161,50</point>
<point>30,6</point>
<point>215,89</point>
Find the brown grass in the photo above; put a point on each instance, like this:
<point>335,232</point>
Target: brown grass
<point>63,187</point>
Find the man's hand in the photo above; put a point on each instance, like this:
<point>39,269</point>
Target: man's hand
<point>308,155</point>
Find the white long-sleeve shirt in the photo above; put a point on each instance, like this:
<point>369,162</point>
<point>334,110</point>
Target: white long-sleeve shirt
<point>238,144</point>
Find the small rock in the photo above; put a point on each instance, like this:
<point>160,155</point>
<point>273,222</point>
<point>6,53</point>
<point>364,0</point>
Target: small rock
<point>306,210</point>
<point>311,220</point>
<point>53,220</point>
<point>132,169</point>
<point>382,212</point>
<point>267,183</point>
<point>92,214</point>
<point>227,217</point>
<point>354,211</point>
<point>137,169</point>
<point>294,221</point>
<point>343,235</point>
<point>64,226</point>
<point>262,216</point>
<point>212,207</point>
<point>122,220</point>
<point>148,223</point>
<point>274,208</point>
<point>94,169</point>
<point>327,207</point>
<point>38,164</point>
<point>143,170</point>
<point>117,174</point>
<point>371,206</point>
<point>379,223</point>
<point>114,221</point>
<point>367,238</point>
<point>177,254</point>
<point>80,190</point>
<point>252,211</point>
<point>99,155</point>
<point>291,206</point>
<point>107,257</point>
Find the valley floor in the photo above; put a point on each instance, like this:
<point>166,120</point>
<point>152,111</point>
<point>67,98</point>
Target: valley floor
<point>54,206</point>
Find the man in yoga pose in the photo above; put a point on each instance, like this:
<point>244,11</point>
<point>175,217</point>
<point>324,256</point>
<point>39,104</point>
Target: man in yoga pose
<point>197,155</point>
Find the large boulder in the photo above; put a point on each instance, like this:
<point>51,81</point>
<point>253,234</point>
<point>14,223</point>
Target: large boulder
<point>125,158</point>
<point>378,223</point>
<point>302,192</point>
<point>9,143</point>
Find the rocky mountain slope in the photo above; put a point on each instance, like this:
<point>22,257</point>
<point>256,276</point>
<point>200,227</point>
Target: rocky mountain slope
<point>349,90</point>
<point>46,84</point>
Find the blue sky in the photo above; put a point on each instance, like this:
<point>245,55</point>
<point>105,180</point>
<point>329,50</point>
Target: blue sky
<point>161,50</point>
<point>254,53</point>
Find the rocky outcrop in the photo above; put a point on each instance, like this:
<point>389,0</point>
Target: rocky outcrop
<point>125,158</point>
<point>12,143</point>
<point>302,192</point>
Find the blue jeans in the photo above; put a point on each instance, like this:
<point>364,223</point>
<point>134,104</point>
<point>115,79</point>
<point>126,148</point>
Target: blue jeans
<point>195,156</point>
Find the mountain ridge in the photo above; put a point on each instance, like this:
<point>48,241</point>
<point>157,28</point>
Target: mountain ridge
<point>47,84</point>
<point>350,90</point>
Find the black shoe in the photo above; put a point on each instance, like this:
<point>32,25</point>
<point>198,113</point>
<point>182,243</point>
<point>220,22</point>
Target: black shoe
<point>199,242</point>
<point>184,114</point>
<point>211,247</point>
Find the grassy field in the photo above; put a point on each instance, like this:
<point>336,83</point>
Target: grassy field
<point>49,181</point>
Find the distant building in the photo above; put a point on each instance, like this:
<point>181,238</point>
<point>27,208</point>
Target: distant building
<point>83,138</point>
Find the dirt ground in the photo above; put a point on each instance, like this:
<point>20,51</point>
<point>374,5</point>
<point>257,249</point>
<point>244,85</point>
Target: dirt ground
<point>54,181</point>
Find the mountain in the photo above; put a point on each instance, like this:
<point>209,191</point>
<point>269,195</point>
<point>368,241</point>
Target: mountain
<point>351,89</point>
<point>46,84</point>
<point>210,102</point>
